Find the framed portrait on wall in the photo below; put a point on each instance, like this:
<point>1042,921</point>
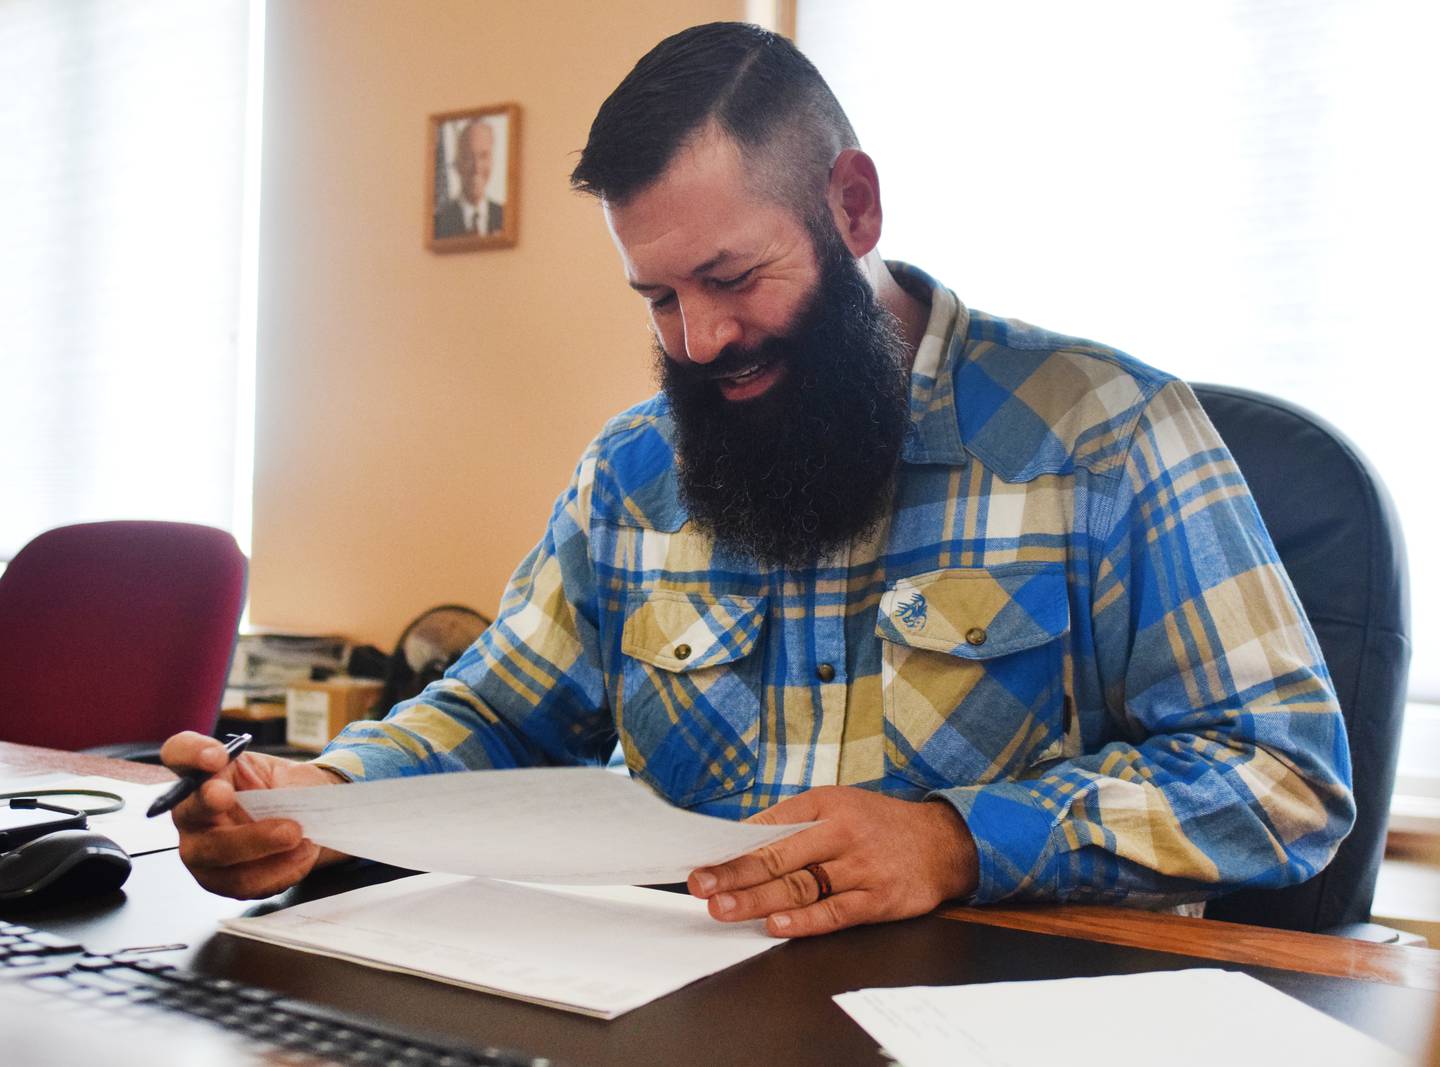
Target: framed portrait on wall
<point>472,198</point>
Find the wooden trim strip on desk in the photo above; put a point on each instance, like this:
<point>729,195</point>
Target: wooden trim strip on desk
<point>1211,939</point>
<point>18,760</point>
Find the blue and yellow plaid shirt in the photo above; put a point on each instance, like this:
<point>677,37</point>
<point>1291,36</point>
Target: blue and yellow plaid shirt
<point>1072,627</point>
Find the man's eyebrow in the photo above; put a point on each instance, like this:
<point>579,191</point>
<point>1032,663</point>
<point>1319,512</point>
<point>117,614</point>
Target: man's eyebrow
<point>719,258</point>
<point>714,261</point>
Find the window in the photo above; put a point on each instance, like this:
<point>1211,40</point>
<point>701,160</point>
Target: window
<point>127,208</point>
<point>1238,192</point>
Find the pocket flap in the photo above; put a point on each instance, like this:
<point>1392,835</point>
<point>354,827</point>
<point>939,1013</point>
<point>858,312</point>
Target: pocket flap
<point>683,631</point>
<point>977,612</point>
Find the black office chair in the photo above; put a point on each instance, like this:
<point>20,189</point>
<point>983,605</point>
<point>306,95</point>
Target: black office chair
<point>1338,535</point>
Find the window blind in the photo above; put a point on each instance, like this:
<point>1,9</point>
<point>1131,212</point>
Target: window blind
<point>122,240</point>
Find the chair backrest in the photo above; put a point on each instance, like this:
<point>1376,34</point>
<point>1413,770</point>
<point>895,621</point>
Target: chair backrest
<point>1338,536</point>
<point>117,632</point>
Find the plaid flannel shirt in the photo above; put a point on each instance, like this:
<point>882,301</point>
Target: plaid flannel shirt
<point>1072,627</point>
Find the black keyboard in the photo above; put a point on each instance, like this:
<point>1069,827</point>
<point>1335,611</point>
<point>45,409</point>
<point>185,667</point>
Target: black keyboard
<point>273,1027</point>
<point>24,951</point>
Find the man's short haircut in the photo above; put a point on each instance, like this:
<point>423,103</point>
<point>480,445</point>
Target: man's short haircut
<point>752,84</point>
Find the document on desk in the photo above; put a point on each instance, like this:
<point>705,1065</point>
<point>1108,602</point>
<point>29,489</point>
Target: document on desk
<point>569,825</point>
<point>597,950</point>
<point>1191,1018</point>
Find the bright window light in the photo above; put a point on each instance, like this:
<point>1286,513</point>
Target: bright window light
<point>1233,192</point>
<point>127,217</point>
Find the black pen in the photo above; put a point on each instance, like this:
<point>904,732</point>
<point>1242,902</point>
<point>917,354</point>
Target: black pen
<point>193,780</point>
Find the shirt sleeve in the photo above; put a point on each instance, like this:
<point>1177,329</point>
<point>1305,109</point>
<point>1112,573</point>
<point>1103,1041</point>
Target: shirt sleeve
<point>1230,766</point>
<point>529,692</point>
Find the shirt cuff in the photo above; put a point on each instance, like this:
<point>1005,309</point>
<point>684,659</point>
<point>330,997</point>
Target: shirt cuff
<point>345,765</point>
<point>1016,839</point>
<point>367,749</point>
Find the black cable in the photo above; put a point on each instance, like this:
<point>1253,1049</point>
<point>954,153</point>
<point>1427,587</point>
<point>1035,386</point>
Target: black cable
<point>117,801</point>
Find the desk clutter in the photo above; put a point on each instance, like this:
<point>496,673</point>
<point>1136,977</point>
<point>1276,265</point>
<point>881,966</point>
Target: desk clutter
<point>300,690</point>
<point>265,667</point>
<point>268,667</point>
<point>265,664</point>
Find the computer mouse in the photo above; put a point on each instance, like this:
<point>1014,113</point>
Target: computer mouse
<point>65,865</point>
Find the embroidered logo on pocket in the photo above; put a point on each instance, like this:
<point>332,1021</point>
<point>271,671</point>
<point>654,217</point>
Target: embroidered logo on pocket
<point>911,613</point>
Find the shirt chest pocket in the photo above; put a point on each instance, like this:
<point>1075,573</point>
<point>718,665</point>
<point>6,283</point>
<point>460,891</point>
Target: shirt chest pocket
<point>688,711</point>
<point>973,672</point>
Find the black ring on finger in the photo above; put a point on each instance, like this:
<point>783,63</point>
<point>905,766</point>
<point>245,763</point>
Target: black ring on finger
<point>822,880</point>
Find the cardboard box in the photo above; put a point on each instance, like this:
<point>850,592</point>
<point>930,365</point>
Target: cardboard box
<point>255,710</point>
<point>317,711</point>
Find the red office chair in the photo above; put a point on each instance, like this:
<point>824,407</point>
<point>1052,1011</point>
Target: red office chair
<point>117,632</point>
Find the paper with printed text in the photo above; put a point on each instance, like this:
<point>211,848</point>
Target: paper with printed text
<point>597,950</point>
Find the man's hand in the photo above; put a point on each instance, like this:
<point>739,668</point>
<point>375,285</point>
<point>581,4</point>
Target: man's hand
<point>885,858</point>
<point>227,851</point>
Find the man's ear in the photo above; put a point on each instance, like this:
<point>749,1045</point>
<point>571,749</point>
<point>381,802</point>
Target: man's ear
<point>853,197</point>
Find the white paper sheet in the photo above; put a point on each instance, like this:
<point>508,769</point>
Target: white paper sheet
<point>574,826</point>
<point>600,951</point>
<point>128,827</point>
<point>1191,1018</point>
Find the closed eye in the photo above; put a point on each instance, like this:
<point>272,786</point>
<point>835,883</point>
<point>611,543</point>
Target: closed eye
<point>733,283</point>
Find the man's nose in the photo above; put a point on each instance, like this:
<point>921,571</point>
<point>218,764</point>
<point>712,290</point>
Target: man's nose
<point>708,330</point>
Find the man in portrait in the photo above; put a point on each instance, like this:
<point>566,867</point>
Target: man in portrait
<point>472,212</point>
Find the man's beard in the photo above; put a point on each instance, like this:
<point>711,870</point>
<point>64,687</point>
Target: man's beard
<point>794,474</point>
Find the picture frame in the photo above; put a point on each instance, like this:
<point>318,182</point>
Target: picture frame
<point>472,198</point>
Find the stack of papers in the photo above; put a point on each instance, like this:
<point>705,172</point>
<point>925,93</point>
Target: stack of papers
<point>566,943</point>
<point>600,951</point>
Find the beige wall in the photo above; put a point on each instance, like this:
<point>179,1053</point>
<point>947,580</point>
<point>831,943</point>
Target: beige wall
<point>417,414</point>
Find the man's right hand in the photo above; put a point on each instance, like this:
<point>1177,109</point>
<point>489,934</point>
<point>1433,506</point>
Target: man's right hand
<point>227,851</point>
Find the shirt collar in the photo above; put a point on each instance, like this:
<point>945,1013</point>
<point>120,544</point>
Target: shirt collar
<point>934,434</point>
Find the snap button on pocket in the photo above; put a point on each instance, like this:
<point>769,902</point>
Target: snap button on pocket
<point>825,672</point>
<point>682,651</point>
<point>975,695</point>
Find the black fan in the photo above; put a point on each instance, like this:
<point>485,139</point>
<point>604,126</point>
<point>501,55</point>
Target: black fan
<point>427,648</point>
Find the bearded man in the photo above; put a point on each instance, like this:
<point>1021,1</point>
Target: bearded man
<point>991,605</point>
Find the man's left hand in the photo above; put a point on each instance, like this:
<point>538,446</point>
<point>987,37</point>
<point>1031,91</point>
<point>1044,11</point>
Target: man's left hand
<point>884,858</point>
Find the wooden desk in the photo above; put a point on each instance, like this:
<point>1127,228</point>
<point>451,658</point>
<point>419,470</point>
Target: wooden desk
<point>27,759</point>
<point>776,1007</point>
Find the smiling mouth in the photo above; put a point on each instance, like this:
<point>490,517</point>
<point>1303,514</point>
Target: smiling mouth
<point>753,380</point>
<point>746,374</point>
